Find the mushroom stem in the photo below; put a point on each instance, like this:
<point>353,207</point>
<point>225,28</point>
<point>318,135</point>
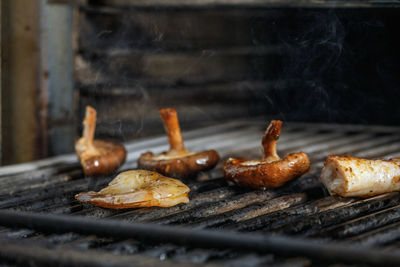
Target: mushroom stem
<point>89,125</point>
<point>171,124</point>
<point>270,139</point>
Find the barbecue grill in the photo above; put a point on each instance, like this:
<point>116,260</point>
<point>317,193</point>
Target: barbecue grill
<point>228,67</point>
<point>298,224</point>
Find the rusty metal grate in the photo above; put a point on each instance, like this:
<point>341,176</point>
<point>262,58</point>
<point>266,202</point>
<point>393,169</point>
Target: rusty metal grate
<point>367,229</point>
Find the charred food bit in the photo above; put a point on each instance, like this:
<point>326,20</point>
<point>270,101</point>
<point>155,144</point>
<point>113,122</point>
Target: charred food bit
<point>178,161</point>
<point>138,188</point>
<point>355,177</point>
<point>97,157</point>
<point>271,170</point>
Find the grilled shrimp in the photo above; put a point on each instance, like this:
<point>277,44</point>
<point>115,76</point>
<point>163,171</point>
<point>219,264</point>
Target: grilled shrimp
<point>138,188</point>
<point>350,176</point>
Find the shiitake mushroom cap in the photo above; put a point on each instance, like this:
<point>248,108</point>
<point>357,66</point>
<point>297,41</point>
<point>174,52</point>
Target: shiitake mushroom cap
<point>113,155</point>
<point>183,166</point>
<point>260,174</point>
<point>271,170</point>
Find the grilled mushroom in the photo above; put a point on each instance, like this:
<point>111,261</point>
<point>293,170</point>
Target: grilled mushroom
<point>97,157</point>
<point>138,188</point>
<point>271,170</point>
<point>178,161</point>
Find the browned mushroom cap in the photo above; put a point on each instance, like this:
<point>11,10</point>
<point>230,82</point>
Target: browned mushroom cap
<point>271,171</point>
<point>97,157</point>
<point>178,161</point>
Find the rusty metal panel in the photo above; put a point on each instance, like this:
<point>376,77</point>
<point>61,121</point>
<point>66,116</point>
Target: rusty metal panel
<point>20,88</point>
<point>37,90</point>
<point>57,109</point>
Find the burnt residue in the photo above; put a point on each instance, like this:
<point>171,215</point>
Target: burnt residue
<point>249,211</point>
<point>285,216</point>
<point>314,223</point>
<point>361,225</point>
<point>378,237</point>
<point>221,206</point>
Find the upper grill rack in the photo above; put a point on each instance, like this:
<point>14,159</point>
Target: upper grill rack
<point>301,208</point>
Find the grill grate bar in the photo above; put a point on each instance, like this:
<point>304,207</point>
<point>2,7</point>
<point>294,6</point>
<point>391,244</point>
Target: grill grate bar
<point>199,238</point>
<point>285,216</point>
<point>380,151</point>
<point>313,223</point>
<point>157,213</point>
<point>361,224</point>
<point>24,253</point>
<point>10,188</point>
<point>329,143</point>
<point>26,200</point>
<point>250,211</point>
<point>378,237</point>
<point>217,207</point>
<point>354,149</point>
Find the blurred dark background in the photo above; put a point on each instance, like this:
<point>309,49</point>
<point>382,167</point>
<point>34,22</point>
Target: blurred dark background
<point>331,62</point>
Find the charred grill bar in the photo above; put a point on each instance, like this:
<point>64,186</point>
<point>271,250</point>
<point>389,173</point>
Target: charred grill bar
<point>222,223</point>
<point>152,233</point>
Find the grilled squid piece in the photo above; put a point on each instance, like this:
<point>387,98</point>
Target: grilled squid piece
<point>97,157</point>
<point>271,170</point>
<point>178,161</point>
<point>138,188</point>
<point>355,177</point>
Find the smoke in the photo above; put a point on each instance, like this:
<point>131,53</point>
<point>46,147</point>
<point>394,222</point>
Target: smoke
<point>331,67</point>
<point>315,46</point>
<point>335,62</point>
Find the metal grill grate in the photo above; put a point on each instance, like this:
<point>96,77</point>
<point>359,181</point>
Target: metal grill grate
<point>301,209</point>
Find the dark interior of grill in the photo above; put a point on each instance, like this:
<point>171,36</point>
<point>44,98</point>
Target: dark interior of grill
<point>328,69</point>
<point>210,63</point>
